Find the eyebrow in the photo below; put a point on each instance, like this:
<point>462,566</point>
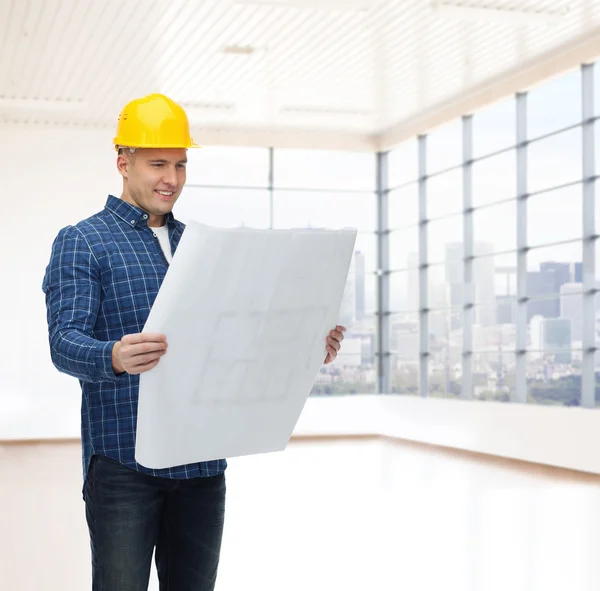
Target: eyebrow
<point>164,161</point>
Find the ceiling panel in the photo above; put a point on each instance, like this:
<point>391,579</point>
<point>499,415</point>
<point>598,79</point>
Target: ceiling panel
<point>268,66</point>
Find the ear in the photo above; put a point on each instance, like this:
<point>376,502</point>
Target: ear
<point>123,165</point>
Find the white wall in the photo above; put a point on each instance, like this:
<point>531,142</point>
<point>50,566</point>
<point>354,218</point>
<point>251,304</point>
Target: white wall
<point>51,178</point>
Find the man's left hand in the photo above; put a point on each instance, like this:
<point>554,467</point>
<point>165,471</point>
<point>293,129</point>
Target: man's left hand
<point>334,342</point>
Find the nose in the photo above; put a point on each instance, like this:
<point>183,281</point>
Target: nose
<point>170,176</point>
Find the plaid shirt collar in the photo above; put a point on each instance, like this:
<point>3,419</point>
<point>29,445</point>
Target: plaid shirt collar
<point>131,214</point>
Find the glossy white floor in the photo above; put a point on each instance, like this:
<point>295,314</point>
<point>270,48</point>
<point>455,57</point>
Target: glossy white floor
<point>336,515</point>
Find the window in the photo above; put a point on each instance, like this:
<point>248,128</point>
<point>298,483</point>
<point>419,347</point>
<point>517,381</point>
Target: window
<point>225,208</point>
<point>554,105</point>
<point>554,374</point>
<point>404,361</point>
<point>228,166</point>
<point>445,193</point>
<point>403,164</point>
<point>404,290</point>
<point>495,178</point>
<point>554,161</point>
<point>319,209</point>
<point>443,236</point>
<point>494,128</point>
<point>444,147</point>
<point>555,216</point>
<point>596,88</point>
<point>403,206</point>
<point>494,375</point>
<point>404,248</point>
<point>445,353</point>
<point>550,267</point>
<point>554,241</point>
<point>309,169</point>
<point>495,228</point>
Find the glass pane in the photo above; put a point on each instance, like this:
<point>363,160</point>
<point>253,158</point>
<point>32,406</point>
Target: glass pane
<point>554,377</point>
<point>228,166</point>
<point>445,348</point>
<point>224,208</point>
<point>403,163</point>
<point>597,197</point>
<point>312,169</point>
<point>556,322</point>
<point>404,291</point>
<point>444,236</point>
<point>554,161</point>
<point>494,127</point>
<point>404,295</point>
<point>404,246</point>
<point>404,335</point>
<point>445,194</point>
<point>370,294</point>
<point>505,274</point>
<point>483,290</point>
<point>360,291</point>
<point>444,147</point>
<point>495,178</point>
<point>495,228</point>
<point>405,375</point>
<point>494,329</point>
<point>453,279</point>
<point>597,145</point>
<point>297,209</point>
<point>555,216</point>
<point>579,271</point>
<point>494,376</point>
<point>548,269</point>
<point>404,340</point>
<point>597,362</point>
<point>555,104</point>
<point>354,370</point>
<point>403,206</point>
<point>596,87</point>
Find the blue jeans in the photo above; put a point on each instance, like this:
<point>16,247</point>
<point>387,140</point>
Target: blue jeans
<point>129,514</point>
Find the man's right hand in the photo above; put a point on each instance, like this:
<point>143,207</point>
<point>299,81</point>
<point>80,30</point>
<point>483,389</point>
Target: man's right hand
<point>137,353</point>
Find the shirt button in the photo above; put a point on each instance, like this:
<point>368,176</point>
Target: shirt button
<point>145,216</point>
<point>133,222</point>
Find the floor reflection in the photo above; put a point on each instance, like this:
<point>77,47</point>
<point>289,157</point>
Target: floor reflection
<point>382,515</point>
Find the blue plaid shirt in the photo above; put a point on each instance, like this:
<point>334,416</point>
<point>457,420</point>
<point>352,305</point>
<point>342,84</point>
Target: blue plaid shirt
<point>102,279</point>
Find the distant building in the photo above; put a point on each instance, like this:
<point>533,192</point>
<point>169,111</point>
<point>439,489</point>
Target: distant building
<point>551,339</point>
<point>571,307</point>
<point>359,282</point>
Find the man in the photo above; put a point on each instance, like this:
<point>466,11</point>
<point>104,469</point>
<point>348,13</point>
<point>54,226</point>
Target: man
<point>103,276</point>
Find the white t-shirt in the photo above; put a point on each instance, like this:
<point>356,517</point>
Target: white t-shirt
<point>162,234</point>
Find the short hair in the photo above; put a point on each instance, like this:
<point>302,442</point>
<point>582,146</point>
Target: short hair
<point>130,152</point>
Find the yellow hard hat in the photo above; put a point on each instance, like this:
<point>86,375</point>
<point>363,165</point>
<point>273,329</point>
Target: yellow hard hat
<point>154,121</point>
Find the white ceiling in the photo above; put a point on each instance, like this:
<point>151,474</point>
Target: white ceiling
<point>355,73</point>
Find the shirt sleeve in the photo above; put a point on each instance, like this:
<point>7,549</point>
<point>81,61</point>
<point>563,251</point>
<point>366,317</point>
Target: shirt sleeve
<point>72,288</point>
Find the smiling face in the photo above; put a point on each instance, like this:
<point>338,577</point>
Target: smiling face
<point>153,179</point>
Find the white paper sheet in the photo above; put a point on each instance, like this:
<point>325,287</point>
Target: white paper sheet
<point>246,313</point>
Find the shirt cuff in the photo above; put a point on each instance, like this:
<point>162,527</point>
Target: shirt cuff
<point>104,365</point>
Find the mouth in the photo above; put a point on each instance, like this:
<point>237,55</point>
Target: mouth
<point>164,195</point>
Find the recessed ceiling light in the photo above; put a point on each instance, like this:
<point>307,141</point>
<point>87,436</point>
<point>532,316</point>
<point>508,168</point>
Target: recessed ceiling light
<point>239,49</point>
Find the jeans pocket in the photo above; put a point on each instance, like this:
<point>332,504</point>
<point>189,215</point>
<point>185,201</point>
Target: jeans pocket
<point>88,483</point>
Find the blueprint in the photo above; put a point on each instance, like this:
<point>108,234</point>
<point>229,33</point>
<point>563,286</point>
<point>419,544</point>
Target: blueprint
<point>246,313</point>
